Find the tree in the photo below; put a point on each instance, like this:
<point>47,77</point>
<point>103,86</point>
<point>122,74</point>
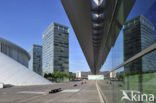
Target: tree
<point>45,75</point>
<point>121,75</point>
<point>70,76</point>
<point>58,76</point>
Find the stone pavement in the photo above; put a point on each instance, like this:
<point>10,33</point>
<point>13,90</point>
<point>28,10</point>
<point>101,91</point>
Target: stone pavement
<point>86,93</point>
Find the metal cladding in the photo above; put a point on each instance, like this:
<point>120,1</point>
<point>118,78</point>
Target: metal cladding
<point>98,5</point>
<point>97,24</point>
<point>98,17</point>
<point>97,32</point>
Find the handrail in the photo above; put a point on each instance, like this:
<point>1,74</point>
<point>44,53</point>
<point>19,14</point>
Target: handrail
<point>138,55</point>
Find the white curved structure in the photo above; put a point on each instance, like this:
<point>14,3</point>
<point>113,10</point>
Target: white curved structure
<point>14,73</point>
<point>14,51</point>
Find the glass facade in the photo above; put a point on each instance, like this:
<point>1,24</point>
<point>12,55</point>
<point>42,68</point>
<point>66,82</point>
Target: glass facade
<point>133,82</point>
<point>56,49</point>
<point>35,63</point>
<point>138,35</point>
<point>141,84</point>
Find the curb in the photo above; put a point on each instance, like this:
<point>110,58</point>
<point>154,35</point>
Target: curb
<point>101,95</point>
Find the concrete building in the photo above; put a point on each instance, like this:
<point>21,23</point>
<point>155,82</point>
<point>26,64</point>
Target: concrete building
<point>56,49</point>
<point>138,35</point>
<point>35,63</point>
<point>82,75</point>
<point>112,75</point>
<point>15,52</point>
<point>95,77</point>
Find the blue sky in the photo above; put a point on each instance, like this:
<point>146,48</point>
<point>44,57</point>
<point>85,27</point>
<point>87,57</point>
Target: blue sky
<point>24,21</point>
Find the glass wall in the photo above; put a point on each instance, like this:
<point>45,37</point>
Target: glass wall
<point>134,82</point>
<point>148,10</point>
<point>132,86</point>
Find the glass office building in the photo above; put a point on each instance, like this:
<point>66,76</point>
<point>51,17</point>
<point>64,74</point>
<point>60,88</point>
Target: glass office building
<point>56,49</point>
<point>138,35</point>
<point>35,63</point>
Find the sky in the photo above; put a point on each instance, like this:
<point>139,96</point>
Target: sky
<point>24,21</point>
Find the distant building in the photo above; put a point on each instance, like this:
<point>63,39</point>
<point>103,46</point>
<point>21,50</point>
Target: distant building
<point>15,52</point>
<point>106,74</point>
<point>72,73</point>
<point>95,77</point>
<point>82,75</point>
<point>56,49</point>
<point>112,75</point>
<point>35,63</point>
<point>138,35</point>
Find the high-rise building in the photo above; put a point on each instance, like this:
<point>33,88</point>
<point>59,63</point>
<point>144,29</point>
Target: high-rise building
<point>35,63</point>
<point>138,35</point>
<point>56,49</point>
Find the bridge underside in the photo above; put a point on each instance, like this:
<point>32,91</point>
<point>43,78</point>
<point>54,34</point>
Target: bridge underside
<point>97,24</point>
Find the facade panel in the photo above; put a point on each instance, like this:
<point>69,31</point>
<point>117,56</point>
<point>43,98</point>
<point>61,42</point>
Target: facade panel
<point>35,63</point>
<point>56,49</point>
<point>14,51</point>
<point>138,35</point>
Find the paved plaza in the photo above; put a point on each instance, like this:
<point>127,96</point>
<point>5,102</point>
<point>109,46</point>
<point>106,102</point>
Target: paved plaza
<point>86,93</point>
